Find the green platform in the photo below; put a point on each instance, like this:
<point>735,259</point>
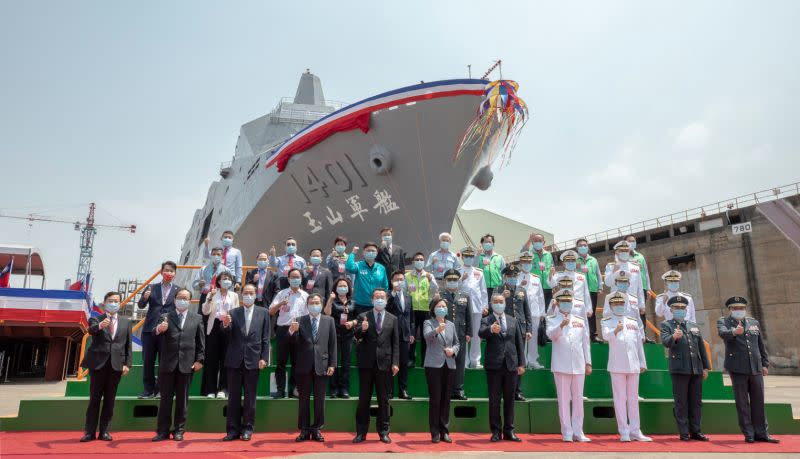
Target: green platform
<point>538,415</point>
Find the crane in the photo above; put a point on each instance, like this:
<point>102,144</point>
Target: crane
<point>88,231</point>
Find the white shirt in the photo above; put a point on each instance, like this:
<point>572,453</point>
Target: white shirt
<point>181,317</point>
<point>635,275</point>
<point>625,349</point>
<point>296,308</point>
<point>400,299</point>
<point>580,285</point>
<point>248,317</point>
<point>533,290</point>
<point>571,351</point>
<point>112,325</point>
<point>501,319</point>
<point>475,286</point>
<point>631,308</point>
<point>662,310</point>
<point>218,306</point>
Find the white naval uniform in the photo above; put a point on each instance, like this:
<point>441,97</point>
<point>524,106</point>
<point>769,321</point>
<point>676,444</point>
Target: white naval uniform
<point>571,354</point>
<point>533,290</point>
<point>578,309</point>
<point>662,309</point>
<point>625,360</point>
<point>474,285</point>
<point>634,275</point>
<point>631,309</point>
<point>580,285</point>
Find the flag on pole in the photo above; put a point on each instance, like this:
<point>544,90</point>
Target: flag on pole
<point>5,274</point>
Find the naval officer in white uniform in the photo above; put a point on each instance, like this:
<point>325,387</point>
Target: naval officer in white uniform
<point>672,282</point>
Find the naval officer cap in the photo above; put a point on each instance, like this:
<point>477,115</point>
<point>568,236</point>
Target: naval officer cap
<point>678,300</point>
<point>621,276</point>
<point>525,256</point>
<point>569,255</point>
<point>564,294</point>
<point>622,245</point>
<point>672,275</point>
<point>511,270</point>
<point>563,280</point>
<point>468,251</point>
<point>736,301</point>
<point>616,298</point>
<point>451,274</point>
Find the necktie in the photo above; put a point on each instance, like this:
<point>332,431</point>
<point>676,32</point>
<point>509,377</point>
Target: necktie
<point>225,256</point>
<point>248,316</point>
<point>379,322</point>
<point>180,320</point>
<point>291,261</point>
<point>113,327</point>
<point>503,323</point>
<point>314,328</point>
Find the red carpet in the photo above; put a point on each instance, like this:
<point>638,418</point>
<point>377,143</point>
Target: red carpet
<point>32,444</point>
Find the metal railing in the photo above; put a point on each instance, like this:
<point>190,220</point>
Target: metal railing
<point>678,218</point>
<point>283,114</point>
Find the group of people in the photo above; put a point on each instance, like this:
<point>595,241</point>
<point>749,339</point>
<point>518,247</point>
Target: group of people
<point>441,307</point>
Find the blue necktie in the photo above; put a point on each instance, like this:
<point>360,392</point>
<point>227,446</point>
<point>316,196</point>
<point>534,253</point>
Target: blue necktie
<point>314,328</point>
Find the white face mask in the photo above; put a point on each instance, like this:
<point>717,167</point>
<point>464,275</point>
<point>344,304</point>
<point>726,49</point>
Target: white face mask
<point>181,305</point>
<point>738,314</point>
<point>248,300</point>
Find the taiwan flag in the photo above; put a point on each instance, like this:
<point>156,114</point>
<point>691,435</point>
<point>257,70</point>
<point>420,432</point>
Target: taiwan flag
<point>5,274</point>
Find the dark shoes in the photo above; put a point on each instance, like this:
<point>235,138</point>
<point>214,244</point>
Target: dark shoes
<point>278,395</point>
<point>519,398</point>
<point>404,395</point>
<point>231,437</point>
<point>344,394</point>
<point>177,436</point>
<point>698,437</point>
<point>144,395</point>
<point>495,437</point>
<point>511,436</point>
<point>247,435</point>
<point>749,440</point>
<point>304,435</point>
<point>359,438</point>
<point>446,438</point>
<point>316,435</point>
<point>104,436</point>
<point>459,396</point>
<point>767,439</point>
<point>684,437</point>
<point>87,437</point>
<point>385,438</point>
<point>161,437</point>
<point>435,438</point>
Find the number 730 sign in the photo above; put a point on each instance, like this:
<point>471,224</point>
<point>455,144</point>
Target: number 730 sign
<point>741,228</point>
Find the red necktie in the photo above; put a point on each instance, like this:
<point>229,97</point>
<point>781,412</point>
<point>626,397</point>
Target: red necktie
<point>225,256</point>
<point>291,261</point>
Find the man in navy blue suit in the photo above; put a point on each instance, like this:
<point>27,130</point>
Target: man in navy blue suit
<point>159,299</point>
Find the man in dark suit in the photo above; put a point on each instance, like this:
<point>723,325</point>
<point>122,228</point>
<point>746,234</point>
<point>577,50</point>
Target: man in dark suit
<point>378,361</point>
<point>400,307</point>
<point>316,277</point>
<point>517,306</point>
<point>159,299</point>
<point>265,281</point>
<point>747,362</point>
<point>182,339</point>
<point>108,358</point>
<point>504,362</point>
<point>248,351</point>
<point>315,337</point>
<point>688,367</point>
<point>391,255</point>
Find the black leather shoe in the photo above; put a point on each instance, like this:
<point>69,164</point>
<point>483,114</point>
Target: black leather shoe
<point>511,436</point>
<point>87,437</point>
<point>231,437</point>
<point>684,437</point>
<point>359,438</point>
<point>385,438</point>
<point>144,395</point>
<point>519,398</point>
<point>161,437</point>
<point>344,394</point>
<point>104,436</point>
<point>304,435</point>
<point>177,436</point>
<point>459,396</point>
<point>446,438</point>
<point>650,340</point>
<point>434,438</point>
<point>404,395</point>
<point>698,437</point>
<point>495,437</point>
<point>767,439</point>
<point>316,435</point>
<point>278,395</point>
<point>247,436</point>
<point>155,394</point>
<point>749,440</point>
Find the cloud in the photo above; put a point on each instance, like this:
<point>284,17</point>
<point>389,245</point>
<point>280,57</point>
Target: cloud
<point>693,136</point>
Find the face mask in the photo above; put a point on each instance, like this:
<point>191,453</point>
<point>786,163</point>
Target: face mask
<point>314,309</point>
<point>291,249</point>
<point>527,267</point>
<point>538,246</point>
<point>632,245</point>
<point>511,281</point>
<point>112,308</point>
<point>387,239</point>
<point>182,305</point>
<point>679,314</point>
<point>225,283</point>
<point>570,265</point>
<point>623,287</point>
<point>738,314</point>
<point>419,264</point>
<point>452,285</point>
<point>295,281</point>
<point>379,304</point>
<point>468,261</point>
<point>440,312</point>
<point>624,256</point>
<point>399,285</point>
<point>168,276</point>
<point>342,290</point>
<point>673,286</point>
<point>227,242</point>
<point>315,260</point>
<point>618,309</point>
<point>444,245</point>
<point>262,264</point>
<point>340,249</point>
<point>498,308</point>
<point>216,259</point>
<point>248,300</point>
<point>565,306</point>
<point>370,255</point>
<point>487,246</point>
<point>583,250</point>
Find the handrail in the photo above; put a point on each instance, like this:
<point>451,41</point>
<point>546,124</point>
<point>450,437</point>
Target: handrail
<point>655,330</point>
<point>82,371</point>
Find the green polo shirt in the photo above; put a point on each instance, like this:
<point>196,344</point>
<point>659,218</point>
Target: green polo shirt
<point>547,259</point>
<point>592,268</point>
<point>645,274</point>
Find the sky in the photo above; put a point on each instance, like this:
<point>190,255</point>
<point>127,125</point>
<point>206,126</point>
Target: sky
<point>639,109</point>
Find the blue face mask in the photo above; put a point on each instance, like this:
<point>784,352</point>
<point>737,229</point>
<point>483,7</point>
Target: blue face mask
<point>673,286</point>
<point>225,283</point>
<point>498,308</point>
<point>370,255</point>
<point>452,285</point>
<point>315,260</point>
<point>387,239</point>
<point>111,308</point>
<point>440,312</point>
<point>342,290</point>
<point>618,309</point>
<point>511,281</point>
<point>526,268</point>
<point>738,314</point>
<point>216,259</point>
<point>444,245</point>
<point>583,250</point>
<point>538,246</point>
<point>379,304</point>
<point>679,314</point>
<point>291,249</point>
<point>262,264</point>
<point>340,249</point>
<point>468,261</point>
<point>314,309</point>
<point>570,265</point>
<point>623,287</point>
<point>227,242</point>
<point>419,264</point>
<point>565,306</point>
<point>295,281</point>
<point>487,246</point>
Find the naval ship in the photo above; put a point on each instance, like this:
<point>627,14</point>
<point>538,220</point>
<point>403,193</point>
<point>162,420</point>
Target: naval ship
<point>314,169</point>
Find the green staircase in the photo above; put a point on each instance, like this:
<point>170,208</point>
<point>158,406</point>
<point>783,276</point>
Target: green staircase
<point>537,415</point>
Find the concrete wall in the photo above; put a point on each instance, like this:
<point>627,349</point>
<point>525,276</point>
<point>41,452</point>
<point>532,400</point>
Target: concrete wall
<point>719,271</point>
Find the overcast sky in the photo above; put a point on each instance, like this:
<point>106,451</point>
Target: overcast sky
<point>639,109</point>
